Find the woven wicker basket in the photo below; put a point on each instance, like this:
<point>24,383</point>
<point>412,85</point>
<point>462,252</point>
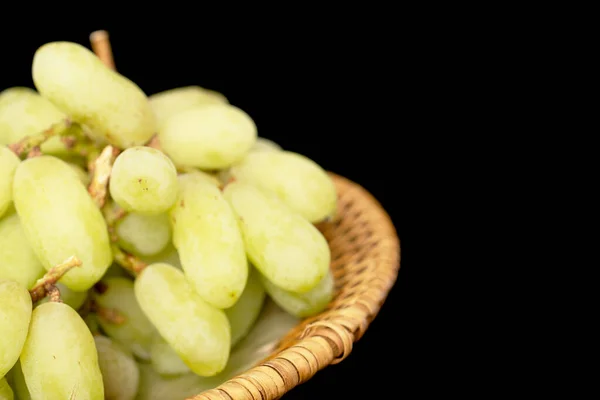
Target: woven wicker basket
<point>365,253</point>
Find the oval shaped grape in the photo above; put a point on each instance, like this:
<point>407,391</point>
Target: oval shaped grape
<point>209,242</point>
<point>144,235</point>
<point>136,332</point>
<point>197,331</point>
<point>144,181</point>
<point>170,102</point>
<point>298,181</point>
<point>23,112</point>
<point>281,244</point>
<point>243,315</point>
<point>61,220</point>
<point>19,262</point>
<point>120,373</point>
<point>59,359</point>
<point>208,137</point>
<point>302,305</point>
<point>8,166</point>
<point>113,107</point>
<point>15,315</point>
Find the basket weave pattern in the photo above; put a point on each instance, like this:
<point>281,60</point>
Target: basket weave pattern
<point>365,253</point>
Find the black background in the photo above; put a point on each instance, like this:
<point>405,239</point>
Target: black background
<point>338,98</point>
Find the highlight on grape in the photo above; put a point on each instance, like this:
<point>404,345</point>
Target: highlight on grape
<point>151,247</point>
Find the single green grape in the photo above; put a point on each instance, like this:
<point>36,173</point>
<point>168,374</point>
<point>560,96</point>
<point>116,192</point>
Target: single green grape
<point>59,359</point>
<point>281,244</point>
<point>18,261</point>
<point>302,305</point>
<point>208,137</point>
<point>8,166</point>
<point>6,392</point>
<point>60,220</point>
<point>197,331</point>
<point>246,310</point>
<point>113,107</point>
<point>137,332</point>
<point>209,242</point>
<point>165,360</point>
<point>170,102</point>
<point>144,235</point>
<point>15,315</point>
<point>120,373</point>
<point>144,181</point>
<point>298,181</point>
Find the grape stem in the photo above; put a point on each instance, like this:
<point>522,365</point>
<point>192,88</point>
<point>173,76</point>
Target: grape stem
<point>28,143</point>
<point>101,174</point>
<point>154,143</point>
<point>35,152</point>
<point>40,289</point>
<point>53,293</point>
<point>128,261</point>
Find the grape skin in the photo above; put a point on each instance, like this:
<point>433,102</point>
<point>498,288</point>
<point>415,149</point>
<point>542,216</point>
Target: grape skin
<point>165,360</point>
<point>144,181</point>
<point>120,373</point>
<point>8,166</point>
<point>144,235</point>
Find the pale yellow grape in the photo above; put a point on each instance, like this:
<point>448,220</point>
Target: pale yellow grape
<point>59,359</point>
<point>15,314</point>
<point>18,383</point>
<point>18,262</point>
<point>6,392</point>
<point>263,144</point>
<point>246,310</point>
<point>282,245</point>
<point>144,235</point>
<point>170,102</point>
<point>209,242</point>
<point>197,331</point>
<point>137,332</point>
<point>305,304</point>
<point>168,256</point>
<point>298,181</point>
<point>208,137</point>
<point>120,373</point>
<point>113,107</point>
<point>68,296</point>
<point>60,220</point>
<point>23,112</point>
<point>8,165</point>
<point>144,181</point>
<point>165,360</point>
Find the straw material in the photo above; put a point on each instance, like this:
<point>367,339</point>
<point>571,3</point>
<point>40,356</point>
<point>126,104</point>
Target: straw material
<point>365,254</point>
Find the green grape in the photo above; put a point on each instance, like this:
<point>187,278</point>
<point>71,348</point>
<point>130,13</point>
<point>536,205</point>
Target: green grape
<point>299,182</point>
<point>144,235</point>
<point>68,296</point>
<point>170,102</point>
<point>120,372</point>
<point>198,332</point>
<point>59,359</point>
<point>114,108</point>
<point>8,165</point>
<point>305,304</point>
<point>83,176</point>
<point>168,256</point>
<point>165,360</point>
<point>154,386</point>
<point>143,181</point>
<point>6,392</point>
<point>15,314</point>
<point>23,112</point>
<point>137,332</point>
<point>208,137</point>
<point>18,261</point>
<point>263,144</point>
<point>282,245</point>
<point>61,220</point>
<point>246,310</point>
<point>18,383</point>
<point>209,242</point>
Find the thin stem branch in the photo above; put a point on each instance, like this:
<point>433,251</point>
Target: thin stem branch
<point>101,174</point>
<point>53,293</point>
<point>102,48</point>
<point>28,143</point>
<point>40,289</point>
<point>128,261</point>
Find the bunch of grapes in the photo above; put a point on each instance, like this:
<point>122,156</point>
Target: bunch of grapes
<point>141,236</point>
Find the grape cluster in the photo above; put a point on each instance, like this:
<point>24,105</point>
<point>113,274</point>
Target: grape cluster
<point>141,236</point>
